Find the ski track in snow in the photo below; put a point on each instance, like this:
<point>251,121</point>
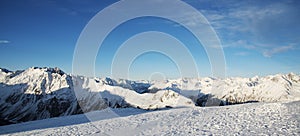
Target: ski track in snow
<point>245,119</point>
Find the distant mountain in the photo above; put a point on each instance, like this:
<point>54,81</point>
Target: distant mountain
<point>39,93</point>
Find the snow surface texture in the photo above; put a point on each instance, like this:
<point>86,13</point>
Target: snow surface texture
<point>246,119</point>
<point>40,93</point>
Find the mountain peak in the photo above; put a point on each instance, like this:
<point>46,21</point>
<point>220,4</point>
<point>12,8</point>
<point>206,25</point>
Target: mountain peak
<point>49,69</point>
<point>5,70</point>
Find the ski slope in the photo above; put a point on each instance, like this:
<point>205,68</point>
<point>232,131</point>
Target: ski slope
<point>244,119</point>
<point>170,107</point>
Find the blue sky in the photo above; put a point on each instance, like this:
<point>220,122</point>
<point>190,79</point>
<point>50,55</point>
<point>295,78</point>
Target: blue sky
<point>258,37</point>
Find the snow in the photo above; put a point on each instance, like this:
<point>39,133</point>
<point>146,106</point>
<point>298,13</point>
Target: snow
<point>160,99</point>
<point>280,87</point>
<point>245,119</point>
<point>40,93</point>
<point>43,93</point>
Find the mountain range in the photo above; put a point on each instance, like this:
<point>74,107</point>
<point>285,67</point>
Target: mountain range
<point>39,93</point>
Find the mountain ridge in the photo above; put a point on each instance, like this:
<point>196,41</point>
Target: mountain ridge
<point>39,93</point>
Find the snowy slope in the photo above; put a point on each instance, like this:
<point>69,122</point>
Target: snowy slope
<point>40,93</point>
<point>35,93</point>
<point>246,119</point>
<point>271,88</point>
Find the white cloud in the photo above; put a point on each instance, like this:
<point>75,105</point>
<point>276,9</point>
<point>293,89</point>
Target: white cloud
<point>262,27</point>
<point>271,52</point>
<point>4,41</point>
<point>242,54</point>
<point>212,15</point>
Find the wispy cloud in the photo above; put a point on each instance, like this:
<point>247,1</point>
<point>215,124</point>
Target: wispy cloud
<point>271,52</point>
<point>189,19</point>
<point>241,53</point>
<point>262,27</point>
<point>4,41</point>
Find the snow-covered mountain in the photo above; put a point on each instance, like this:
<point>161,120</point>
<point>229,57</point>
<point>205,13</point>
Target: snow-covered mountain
<point>278,118</point>
<point>39,93</point>
<point>272,88</point>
